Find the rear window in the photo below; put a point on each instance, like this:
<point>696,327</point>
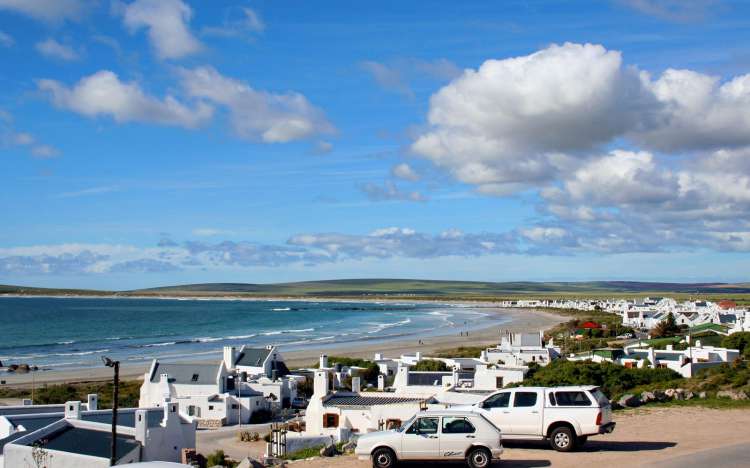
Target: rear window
<point>572,399</point>
<point>600,397</point>
<point>453,425</point>
<point>524,399</point>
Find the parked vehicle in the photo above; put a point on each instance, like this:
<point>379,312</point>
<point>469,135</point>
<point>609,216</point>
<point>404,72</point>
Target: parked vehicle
<point>566,416</point>
<point>435,435</point>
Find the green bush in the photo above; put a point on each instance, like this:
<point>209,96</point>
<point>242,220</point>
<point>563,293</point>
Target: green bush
<point>304,453</point>
<point>613,379</point>
<point>260,416</point>
<point>218,458</point>
<point>432,365</point>
<point>740,341</point>
<point>55,394</point>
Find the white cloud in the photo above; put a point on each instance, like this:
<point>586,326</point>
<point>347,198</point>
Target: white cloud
<point>89,191</point>
<point>44,151</point>
<point>390,191</point>
<point>387,77</point>
<point>405,171</point>
<point>167,22</point>
<point>50,11</point>
<point>6,40</point>
<point>254,114</point>
<point>239,21</point>
<point>10,137</point>
<point>674,10</point>
<point>53,49</point>
<point>103,93</point>
<point>397,74</point>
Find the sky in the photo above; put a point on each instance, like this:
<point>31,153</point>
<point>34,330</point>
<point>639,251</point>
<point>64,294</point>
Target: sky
<point>157,142</point>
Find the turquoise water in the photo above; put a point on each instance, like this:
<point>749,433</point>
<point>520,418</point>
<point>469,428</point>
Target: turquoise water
<point>74,332</point>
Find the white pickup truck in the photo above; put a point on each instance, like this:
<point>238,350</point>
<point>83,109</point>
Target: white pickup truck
<point>566,416</point>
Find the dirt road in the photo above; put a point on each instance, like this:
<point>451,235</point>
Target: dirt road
<point>642,437</point>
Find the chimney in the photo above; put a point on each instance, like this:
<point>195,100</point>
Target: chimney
<point>92,402</point>
<point>483,356</point>
<point>229,356</point>
<point>355,385</point>
<point>698,344</point>
<point>378,356</point>
<point>323,361</point>
<point>73,410</point>
<point>418,355</point>
<point>320,384</point>
<point>381,382</point>
<point>171,413</point>
<point>141,426</point>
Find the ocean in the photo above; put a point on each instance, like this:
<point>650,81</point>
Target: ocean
<point>68,333</point>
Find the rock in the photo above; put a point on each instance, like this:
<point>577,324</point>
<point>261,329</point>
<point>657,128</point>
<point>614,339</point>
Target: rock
<point>702,395</point>
<point>349,446</point>
<point>328,451</point>
<point>23,368</point>
<point>648,397</point>
<point>250,463</point>
<point>679,394</point>
<point>689,395</point>
<point>733,394</point>
<point>629,400</point>
<point>670,393</point>
<point>660,395</point>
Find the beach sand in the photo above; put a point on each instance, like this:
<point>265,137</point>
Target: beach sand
<point>528,320</point>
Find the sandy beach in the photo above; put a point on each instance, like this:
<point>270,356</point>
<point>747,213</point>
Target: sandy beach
<point>518,320</point>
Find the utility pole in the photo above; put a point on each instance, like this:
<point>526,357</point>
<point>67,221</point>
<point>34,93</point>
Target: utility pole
<point>115,396</point>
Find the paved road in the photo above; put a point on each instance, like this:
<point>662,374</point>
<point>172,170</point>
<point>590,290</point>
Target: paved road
<point>725,457</point>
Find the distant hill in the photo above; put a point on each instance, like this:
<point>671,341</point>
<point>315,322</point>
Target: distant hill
<point>410,288</point>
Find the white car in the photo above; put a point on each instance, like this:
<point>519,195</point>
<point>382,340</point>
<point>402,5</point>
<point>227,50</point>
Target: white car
<point>434,435</point>
<point>566,416</point>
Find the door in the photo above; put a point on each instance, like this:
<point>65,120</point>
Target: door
<point>527,412</point>
<point>456,433</point>
<point>420,441</point>
<point>497,409</point>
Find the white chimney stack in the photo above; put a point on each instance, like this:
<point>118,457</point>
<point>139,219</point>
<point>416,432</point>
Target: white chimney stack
<point>323,361</point>
<point>355,385</point>
<point>92,402</point>
<point>229,356</point>
<point>73,410</point>
<point>381,382</point>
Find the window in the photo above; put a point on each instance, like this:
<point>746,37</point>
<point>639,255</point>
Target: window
<point>392,423</point>
<point>552,400</point>
<point>424,426</point>
<point>498,382</point>
<point>191,410</point>
<point>501,400</point>
<point>457,426</point>
<point>330,420</point>
<point>195,378</point>
<point>572,399</point>
<point>525,399</point>
<point>235,406</point>
<point>210,407</point>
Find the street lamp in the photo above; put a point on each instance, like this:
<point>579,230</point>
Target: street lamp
<point>116,366</point>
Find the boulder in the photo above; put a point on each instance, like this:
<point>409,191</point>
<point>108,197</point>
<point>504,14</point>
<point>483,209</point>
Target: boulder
<point>629,400</point>
<point>660,395</point>
<point>648,397</point>
<point>250,463</point>
<point>689,395</point>
<point>702,395</point>
<point>732,394</point>
<point>23,368</point>
<point>349,446</point>
<point>670,393</point>
<point>328,451</point>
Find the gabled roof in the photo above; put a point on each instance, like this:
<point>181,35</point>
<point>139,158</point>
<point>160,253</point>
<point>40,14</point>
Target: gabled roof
<point>252,357</point>
<point>360,400</point>
<point>187,373</point>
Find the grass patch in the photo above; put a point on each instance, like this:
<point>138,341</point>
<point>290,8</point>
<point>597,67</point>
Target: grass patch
<point>304,453</point>
<point>461,352</point>
<point>712,403</point>
<point>130,391</point>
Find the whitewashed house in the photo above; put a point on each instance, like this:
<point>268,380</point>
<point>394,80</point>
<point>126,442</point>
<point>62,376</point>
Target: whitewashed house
<point>521,349</point>
<point>78,438</point>
<point>263,370</point>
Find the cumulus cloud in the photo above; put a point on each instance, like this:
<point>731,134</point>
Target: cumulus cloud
<point>390,191</point>
<point>167,22</point>
<point>104,94</point>
<point>50,11</point>
<point>254,114</point>
<point>405,172</point>
<point>56,50</point>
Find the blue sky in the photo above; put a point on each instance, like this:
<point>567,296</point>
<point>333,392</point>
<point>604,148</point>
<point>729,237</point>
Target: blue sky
<point>152,142</point>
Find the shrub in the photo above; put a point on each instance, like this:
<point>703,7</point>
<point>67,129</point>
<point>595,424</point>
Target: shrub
<point>260,416</point>
<point>740,341</point>
<point>217,458</point>
<point>430,365</point>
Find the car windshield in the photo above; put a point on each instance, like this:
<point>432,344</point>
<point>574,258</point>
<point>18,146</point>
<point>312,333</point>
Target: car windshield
<point>600,397</point>
<point>406,424</point>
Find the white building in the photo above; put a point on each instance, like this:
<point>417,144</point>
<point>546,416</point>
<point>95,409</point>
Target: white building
<point>207,392</point>
<point>79,438</point>
<point>521,349</point>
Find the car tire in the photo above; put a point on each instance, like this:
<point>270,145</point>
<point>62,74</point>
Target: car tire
<point>562,439</point>
<point>581,441</point>
<point>479,458</point>
<point>383,458</point>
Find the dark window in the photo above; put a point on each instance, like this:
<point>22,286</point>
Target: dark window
<point>501,400</point>
<point>552,400</point>
<point>572,399</point>
<point>235,406</point>
<point>424,426</point>
<point>195,378</point>
<point>525,399</point>
<point>457,426</point>
<point>210,407</point>
<point>330,420</point>
<point>498,382</point>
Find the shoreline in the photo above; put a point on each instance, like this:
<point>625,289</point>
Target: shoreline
<point>518,320</point>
